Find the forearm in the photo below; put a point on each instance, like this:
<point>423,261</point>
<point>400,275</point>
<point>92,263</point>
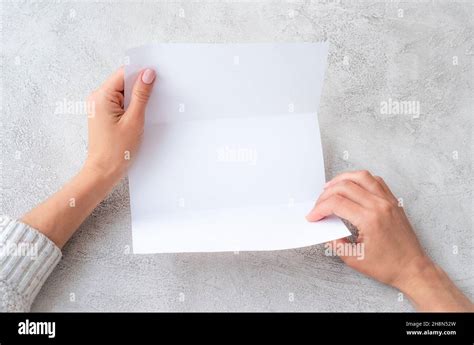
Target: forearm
<point>60,215</point>
<point>430,289</point>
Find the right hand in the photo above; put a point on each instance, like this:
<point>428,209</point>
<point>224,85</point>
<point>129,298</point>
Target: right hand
<point>390,245</point>
<point>392,253</point>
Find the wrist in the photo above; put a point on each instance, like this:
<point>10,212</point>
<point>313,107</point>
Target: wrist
<point>419,270</point>
<point>429,287</point>
<point>414,274</point>
<point>105,173</point>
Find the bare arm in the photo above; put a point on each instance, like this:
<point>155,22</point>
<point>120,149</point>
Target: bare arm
<point>60,215</point>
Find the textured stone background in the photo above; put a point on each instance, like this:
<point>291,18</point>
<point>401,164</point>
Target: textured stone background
<point>61,50</point>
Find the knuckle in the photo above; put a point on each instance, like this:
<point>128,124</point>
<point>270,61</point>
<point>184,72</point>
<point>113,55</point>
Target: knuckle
<point>346,184</point>
<point>337,199</point>
<point>141,95</point>
<point>365,173</point>
<point>393,201</point>
<point>376,186</point>
<point>378,214</point>
<point>385,207</point>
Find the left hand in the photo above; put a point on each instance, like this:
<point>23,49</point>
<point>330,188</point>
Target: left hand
<point>115,133</point>
<point>114,137</point>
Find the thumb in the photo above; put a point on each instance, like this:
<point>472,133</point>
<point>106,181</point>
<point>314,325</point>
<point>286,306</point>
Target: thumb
<point>141,93</point>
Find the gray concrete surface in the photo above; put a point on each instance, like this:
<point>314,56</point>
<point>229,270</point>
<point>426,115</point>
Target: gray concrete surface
<point>56,52</point>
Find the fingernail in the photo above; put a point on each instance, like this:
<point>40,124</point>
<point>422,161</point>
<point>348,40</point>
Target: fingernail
<point>148,76</point>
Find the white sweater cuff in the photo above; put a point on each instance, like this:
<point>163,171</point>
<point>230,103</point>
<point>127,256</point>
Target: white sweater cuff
<point>27,258</point>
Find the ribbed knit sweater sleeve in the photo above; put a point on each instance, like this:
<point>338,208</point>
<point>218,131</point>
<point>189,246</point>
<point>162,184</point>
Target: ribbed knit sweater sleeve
<point>27,258</point>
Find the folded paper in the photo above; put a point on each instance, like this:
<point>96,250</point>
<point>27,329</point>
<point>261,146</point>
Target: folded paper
<point>231,158</point>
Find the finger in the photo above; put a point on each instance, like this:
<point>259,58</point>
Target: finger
<point>115,82</point>
<point>351,191</point>
<point>386,188</point>
<point>141,93</point>
<point>363,178</point>
<point>339,206</point>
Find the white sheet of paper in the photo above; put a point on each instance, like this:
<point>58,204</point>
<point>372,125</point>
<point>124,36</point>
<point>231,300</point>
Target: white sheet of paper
<point>231,158</point>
